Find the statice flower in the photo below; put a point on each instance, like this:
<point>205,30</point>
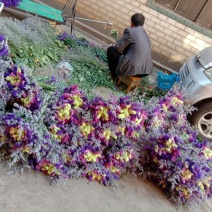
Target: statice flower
<point>66,38</point>
<point>172,155</point>
<point>10,3</point>
<point>23,92</point>
<point>4,50</point>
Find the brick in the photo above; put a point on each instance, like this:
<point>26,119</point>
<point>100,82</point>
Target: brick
<point>187,53</point>
<point>165,53</point>
<point>80,7</point>
<point>171,21</point>
<point>144,9</point>
<point>122,3</point>
<point>207,40</point>
<point>191,37</point>
<point>157,49</point>
<point>169,38</point>
<point>160,34</point>
<point>162,40</point>
<point>189,30</point>
<point>199,42</point>
<point>124,10</point>
<point>153,13</point>
<point>149,29</point>
<point>182,33</point>
<point>179,25</point>
<point>137,10</point>
<point>154,42</point>
<point>116,6</point>
<point>162,17</point>
<point>173,28</point>
<point>158,28</point>
<point>149,23</point>
<point>153,36</point>
<point>135,3</point>
<point>154,19</point>
<point>143,1</point>
<point>178,43</point>
<point>168,32</point>
<point>195,45</point>
<point>186,41</point>
<point>95,6</point>
<point>198,35</point>
<point>163,23</point>
<point>177,48</point>
<point>129,6</point>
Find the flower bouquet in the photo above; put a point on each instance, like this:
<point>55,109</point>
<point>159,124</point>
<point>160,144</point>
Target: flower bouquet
<point>173,157</point>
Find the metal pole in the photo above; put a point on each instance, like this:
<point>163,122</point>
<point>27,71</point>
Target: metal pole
<point>101,22</point>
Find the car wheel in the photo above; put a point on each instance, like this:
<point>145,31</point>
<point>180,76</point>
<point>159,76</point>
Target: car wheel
<point>202,120</point>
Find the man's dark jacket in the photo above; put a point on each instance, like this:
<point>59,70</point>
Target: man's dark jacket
<point>136,58</point>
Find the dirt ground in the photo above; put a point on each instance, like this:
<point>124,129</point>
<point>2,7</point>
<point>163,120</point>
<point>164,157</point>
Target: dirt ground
<point>31,192</point>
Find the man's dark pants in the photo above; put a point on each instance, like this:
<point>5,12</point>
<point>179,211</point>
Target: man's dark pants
<point>113,60</point>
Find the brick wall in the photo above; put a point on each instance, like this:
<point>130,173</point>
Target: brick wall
<point>169,38</point>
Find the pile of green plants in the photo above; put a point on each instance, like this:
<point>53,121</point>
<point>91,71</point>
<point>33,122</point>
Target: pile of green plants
<point>89,63</point>
<point>74,42</point>
<point>32,41</point>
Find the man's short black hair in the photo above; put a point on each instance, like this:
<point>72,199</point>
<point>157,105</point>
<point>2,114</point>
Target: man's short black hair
<point>138,19</point>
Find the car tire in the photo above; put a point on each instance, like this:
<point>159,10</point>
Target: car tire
<point>201,119</point>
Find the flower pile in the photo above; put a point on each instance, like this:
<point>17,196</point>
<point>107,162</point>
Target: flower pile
<point>63,134</point>
<point>172,156</point>
<point>101,137</point>
<point>10,3</point>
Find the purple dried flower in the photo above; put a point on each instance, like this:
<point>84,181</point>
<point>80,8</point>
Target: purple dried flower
<point>10,3</point>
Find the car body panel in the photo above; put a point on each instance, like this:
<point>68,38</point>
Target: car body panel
<point>194,81</point>
<point>205,57</point>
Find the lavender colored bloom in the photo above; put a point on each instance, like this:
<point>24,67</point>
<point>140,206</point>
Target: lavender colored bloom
<point>4,51</point>
<point>2,38</point>
<point>10,3</point>
<point>53,79</point>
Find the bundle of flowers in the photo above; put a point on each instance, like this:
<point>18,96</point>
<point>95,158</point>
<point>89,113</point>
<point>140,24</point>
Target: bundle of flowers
<point>172,156</point>
<point>26,146</point>
<point>10,3</point>
<point>4,51</point>
<point>22,91</point>
<point>101,137</point>
<point>72,41</point>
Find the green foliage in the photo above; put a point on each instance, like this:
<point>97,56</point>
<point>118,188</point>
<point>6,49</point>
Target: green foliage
<point>100,53</point>
<point>89,71</point>
<point>114,34</point>
<point>145,92</point>
<point>32,42</point>
<point>73,42</point>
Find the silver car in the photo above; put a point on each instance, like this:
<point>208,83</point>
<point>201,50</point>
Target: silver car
<point>196,80</point>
